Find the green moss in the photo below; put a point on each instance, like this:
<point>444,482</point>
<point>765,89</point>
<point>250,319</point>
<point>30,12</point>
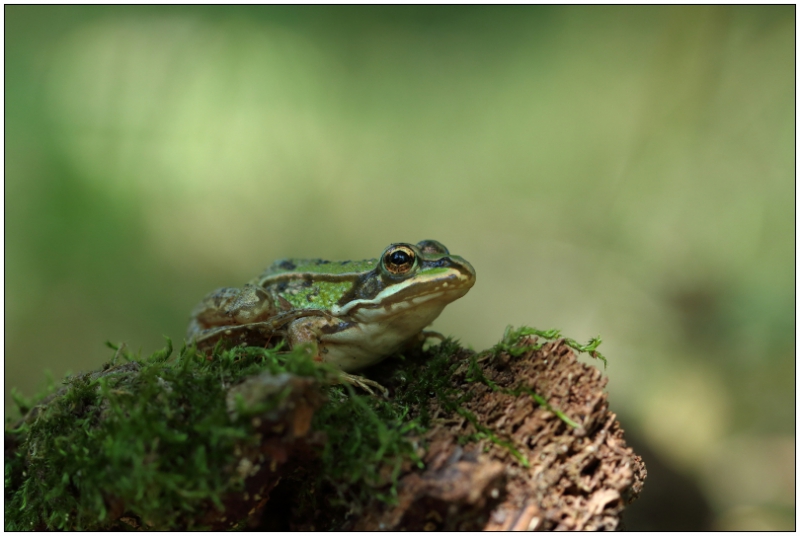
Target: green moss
<point>371,439</point>
<point>367,444</point>
<point>511,338</point>
<point>164,435</point>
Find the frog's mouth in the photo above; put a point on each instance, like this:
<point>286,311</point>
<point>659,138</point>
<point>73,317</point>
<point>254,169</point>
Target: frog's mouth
<point>401,298</point>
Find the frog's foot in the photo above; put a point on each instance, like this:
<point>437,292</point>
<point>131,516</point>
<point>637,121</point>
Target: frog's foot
<point>363,383</point>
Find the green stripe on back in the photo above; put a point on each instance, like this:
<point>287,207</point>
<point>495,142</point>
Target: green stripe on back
<point>321,295</point>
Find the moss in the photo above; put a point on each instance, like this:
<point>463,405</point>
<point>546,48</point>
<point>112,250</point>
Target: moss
<point>512,337</point>
<point>154,436</point>
<point>150,434</point>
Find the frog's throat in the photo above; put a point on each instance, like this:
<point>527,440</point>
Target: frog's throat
<point>407,293</point>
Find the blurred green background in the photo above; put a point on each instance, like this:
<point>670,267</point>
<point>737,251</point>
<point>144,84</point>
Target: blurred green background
<point>621,171</point>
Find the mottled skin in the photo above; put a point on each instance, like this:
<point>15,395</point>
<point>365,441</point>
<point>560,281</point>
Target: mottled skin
<point>355,313</point>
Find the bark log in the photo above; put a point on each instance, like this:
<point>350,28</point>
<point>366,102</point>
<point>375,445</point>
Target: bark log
<point>575,478</point>
<point>495,457</point>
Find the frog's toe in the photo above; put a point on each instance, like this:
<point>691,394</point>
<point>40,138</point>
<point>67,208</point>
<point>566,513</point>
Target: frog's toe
<point>364,383</point>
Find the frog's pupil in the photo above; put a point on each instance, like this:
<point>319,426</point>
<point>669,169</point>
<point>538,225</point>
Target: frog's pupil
<point>399,257</point>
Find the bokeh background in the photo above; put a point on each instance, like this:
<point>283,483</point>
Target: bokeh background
<point>618,171</point>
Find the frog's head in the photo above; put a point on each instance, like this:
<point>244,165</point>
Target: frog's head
<point>410,284</point>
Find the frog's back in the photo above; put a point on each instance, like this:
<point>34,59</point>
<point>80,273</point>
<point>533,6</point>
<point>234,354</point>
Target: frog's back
<point>312,283</point>
<point>317,266</point>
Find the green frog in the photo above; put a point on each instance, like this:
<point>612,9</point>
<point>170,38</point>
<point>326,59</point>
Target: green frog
<point>353,313</point>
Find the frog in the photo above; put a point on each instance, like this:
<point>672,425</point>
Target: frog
<point>351,314</point>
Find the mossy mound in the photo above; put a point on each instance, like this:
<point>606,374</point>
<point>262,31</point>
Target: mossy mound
<point>253,437</point>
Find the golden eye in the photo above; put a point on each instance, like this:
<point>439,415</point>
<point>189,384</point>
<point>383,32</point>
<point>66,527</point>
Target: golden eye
<point>399,259</point>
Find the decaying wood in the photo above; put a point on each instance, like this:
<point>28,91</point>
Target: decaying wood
<point>578,478</point>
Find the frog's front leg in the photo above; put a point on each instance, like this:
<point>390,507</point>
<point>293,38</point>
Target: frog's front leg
<point>311,331</point>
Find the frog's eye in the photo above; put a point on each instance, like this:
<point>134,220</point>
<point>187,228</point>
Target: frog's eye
<point>399,260</point>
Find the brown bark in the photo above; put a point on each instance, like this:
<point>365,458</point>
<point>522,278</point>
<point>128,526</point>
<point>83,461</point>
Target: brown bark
<point>578,478</point>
